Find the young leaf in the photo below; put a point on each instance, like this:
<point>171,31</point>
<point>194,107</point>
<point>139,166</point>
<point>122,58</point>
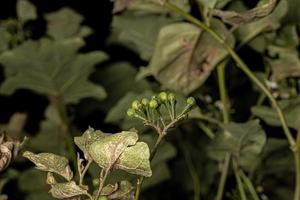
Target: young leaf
<point>66,190</point>
<point>125,192</point>
<point>51,163</point>
<point>26,11</point>
<point>106,151</point>
<point>135,160</point>
<point>185,55</point>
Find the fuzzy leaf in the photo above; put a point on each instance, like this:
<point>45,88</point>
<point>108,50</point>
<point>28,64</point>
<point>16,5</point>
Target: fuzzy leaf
<point>107,151</point>
<point>89,136</point>
<point>264,8</point>
<point>26,11</point>
<point>66,190</point>
<point>51,163</point>
<point>135,160</point>
<point>125,192</point>
<point>52,68</point>
<point>185,55</point>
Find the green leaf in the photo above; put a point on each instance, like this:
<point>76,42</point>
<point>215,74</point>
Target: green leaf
<point>52,68</point>
<point>4,39</point>
<point>287,63</point>
<point>89,136</point>
<point>262,9</point>
<point>290,108</point>
<point>110,78</point>
<point>66,190</point>
<point>245,141</point>
<point>51,163</point>
<point>26,11</point>
<point>65,23</point>
<point>106,151</point>
<point>138,31</point>
<point>135,160</point>
<point>183,60</point>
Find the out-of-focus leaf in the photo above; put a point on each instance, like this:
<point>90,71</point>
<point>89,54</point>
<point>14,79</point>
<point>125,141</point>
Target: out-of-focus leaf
<point>66,190</point>
<point>106,152</point>
<point>185,55</point>
<point>52,68</point>
<point>88,137</point>
<point>50,130</point>
<point>149,6</point>
<point>117,79</point>
<point>139,32</point>
<point>247,32</point>
<point>244,141</point>
<point>65,23</point>
<point>135,160</point>
<point>263,8</point>
<point>4,39</point>
<point>26,11</point>
<point>125,192</point>
<point>290,108</point>
<point>286,65</point>
<point>32,182</point>
<point>51,163</point>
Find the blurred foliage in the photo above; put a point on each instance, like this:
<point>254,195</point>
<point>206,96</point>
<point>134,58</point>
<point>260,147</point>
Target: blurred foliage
<point>150,49</point>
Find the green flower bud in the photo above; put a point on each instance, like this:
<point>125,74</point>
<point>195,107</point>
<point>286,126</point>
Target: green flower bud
<point>163,96</point>
<point>136,105</point>
<point>145,101</point>
<point>191,101</point>
<point>130,112</point>
<point>171,97</point>
<point>153,104</point>
<point>96,182</point>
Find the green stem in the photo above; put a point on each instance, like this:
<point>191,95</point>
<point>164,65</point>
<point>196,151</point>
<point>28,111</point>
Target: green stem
<point>239,182</point>
<point>226,118</point>
<point>207,130</point>
<point>297,168</point>
<point>66,128</point>
<point>239,63</point>
<point>103,176</point>
<point>249,185</point>
<point>191,168</point>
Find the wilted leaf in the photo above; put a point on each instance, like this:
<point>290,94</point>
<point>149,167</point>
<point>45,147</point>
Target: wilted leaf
<point>51,163</point>
<point>249,31</point>
<point>264,8</point>
<point>65,23</point>
<point>89,136</point>
<point>66,190</point>
<point>185,55</point>
<point>139,31</point>
<point>244,141</point>
<point>107,151</point>
<point>52,68</point>
<point>135,160</point>
<point>290,108</point>
<point>26,11</point>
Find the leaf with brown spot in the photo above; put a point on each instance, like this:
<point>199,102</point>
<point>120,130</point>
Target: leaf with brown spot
<point>66,190</point>
<point>185,55</point>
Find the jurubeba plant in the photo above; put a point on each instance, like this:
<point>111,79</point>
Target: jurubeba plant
<point>112,151</point>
